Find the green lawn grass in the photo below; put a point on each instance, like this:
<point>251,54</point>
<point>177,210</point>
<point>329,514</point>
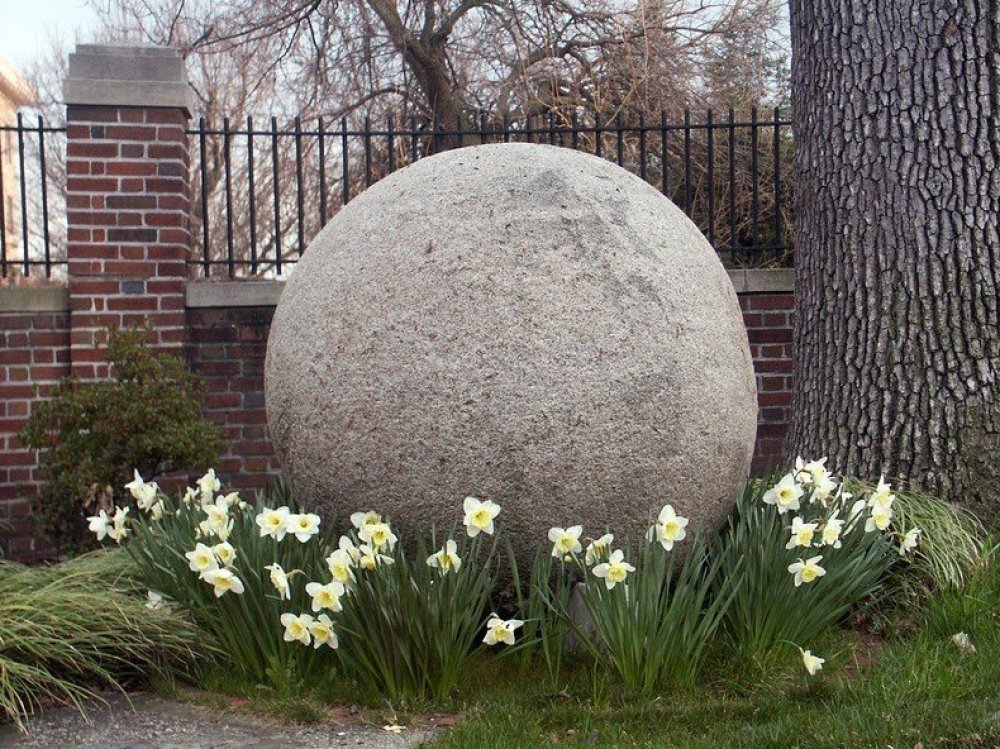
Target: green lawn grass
<point>912,688</point>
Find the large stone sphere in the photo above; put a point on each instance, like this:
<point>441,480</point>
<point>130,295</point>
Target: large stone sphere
<point>516,322</point>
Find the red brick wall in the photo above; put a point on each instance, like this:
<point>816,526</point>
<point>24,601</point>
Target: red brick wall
<point>768,318</point>
<point>34,352</point>
<point>226,346</point>
<point>128,226</point>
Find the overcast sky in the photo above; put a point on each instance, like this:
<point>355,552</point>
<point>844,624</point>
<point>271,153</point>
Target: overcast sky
<point>25,25</point>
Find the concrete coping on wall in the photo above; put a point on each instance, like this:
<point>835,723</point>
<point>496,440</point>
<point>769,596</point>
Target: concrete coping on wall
<point>207,294</point>
<point>34,299</point>
<point>127,76</point>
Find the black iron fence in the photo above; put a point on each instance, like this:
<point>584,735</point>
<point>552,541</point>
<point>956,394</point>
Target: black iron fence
<point>263,190</point>
<point>32,199</point>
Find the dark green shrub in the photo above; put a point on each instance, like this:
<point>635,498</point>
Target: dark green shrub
<point>148,416</point>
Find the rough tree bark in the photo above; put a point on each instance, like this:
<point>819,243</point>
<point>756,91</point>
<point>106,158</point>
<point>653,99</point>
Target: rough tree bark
<point>897,163</point>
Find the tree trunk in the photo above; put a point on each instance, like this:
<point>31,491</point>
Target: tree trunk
<point>897,164</point>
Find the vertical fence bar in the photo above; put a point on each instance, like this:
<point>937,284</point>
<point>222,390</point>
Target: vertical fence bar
<point>552,128</point>
<point>368,151</point>
<point>755,210</point>
<point>391,144</point>
<point>506,127</point>
<point>414,139</point>
<point>620,126</point>
<point>277,195</point>
<point>687,162</point>
<point>227,163</point>
<point>343,161</point>
<point>642,146</point>
<point>322,173</point>
<point>710,176</point>
<point>252,198</point>
<point>460,129</point>
<point>732,183</point>
<point>664,163</point>
<point>206,264</point>
<point>482,127</point>
<point>779,245</point>
<point>575,137</point>
<point>24,198</point>
<point>299,197</point>
<point>598,145</point>
<point>45,197</point>
<point>3,212</point>
<point>528,130</point>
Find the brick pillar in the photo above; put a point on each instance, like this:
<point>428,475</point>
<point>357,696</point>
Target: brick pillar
<point>127,200</point>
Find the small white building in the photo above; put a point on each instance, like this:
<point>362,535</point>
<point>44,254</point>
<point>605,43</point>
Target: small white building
<point>14,93</point>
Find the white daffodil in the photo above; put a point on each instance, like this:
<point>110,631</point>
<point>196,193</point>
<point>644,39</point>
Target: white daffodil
<point>360,519</point>
<point>378,535</point>
<point>208,485</point>
<point>340,563</point>
<point>279,579</point>
<point>370,558</point>
<point>347,545</point>
<point>909,541</point>
<point>785,495</point>
<point>498,630</point>
<point>273,523</point>
<point>100,525</point>
<point>832,529</point>
<point>224,581</point>
<point>597,548</point>
<point>230,500</point>
<point>669,528</point>
<point>882,496</point>
<point>322,632</point>
<point>802,534</point>
<point>326,596</point>
<point>566,541</point>
<point>217,519</point>
<point>823,487</point>
<point>297,628</point>
<point>303,526</point>
<point>857,509</point>
<point>155,602</point>
<point>144,494</point>
<point>118,531</point>
<point>479,515</point>
<point>880,518</point>
<point>157,510</point>
<point>813,663</point>
<point>446,559</point>
<point>964,643</point>
<point>225,553</point>
<point>190,494</point>
<point>807,472</point>
<point>615,570</point>
<point>807,571</point>
<point>202,559</point>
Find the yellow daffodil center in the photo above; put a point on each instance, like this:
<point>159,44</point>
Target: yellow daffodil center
<point>786,495</point>
<point>809,573</point>
<point>566,543</point>
<point>617,573</point>
<point>481,517</point>
<point>297,629</point>
<point>804,536</point>
<point>671,529</point>
<point>273,520</point>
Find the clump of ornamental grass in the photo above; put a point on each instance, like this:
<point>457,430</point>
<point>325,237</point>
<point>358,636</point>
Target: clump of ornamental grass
<point>653,622</point>
<point>71,630</point>
<point>288,606</point>
<point>810,551</point>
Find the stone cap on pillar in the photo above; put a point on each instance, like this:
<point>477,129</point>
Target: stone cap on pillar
<point>127,76</point>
